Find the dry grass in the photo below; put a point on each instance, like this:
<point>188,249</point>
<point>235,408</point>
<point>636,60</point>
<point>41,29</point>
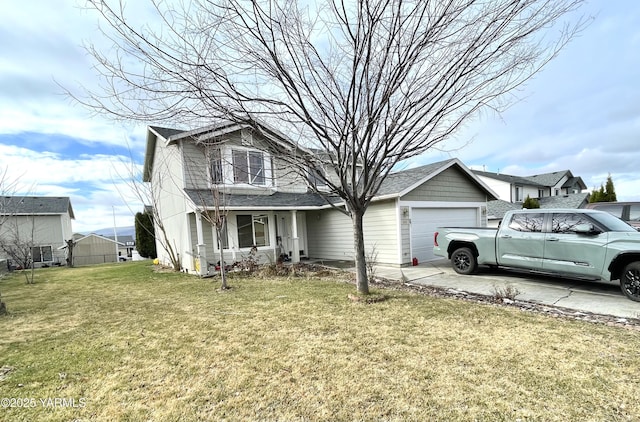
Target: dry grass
<point>142,345</point>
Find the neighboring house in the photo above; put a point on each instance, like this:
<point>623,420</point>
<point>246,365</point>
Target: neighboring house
<point>270,208</point>
<point>497,209</point>
<point>516,188</point>
<point>39,223</point>
<point>93,249</point>
<point>126,246</point>
<point>559,189</point>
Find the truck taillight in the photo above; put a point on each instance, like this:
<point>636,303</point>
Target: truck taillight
<point>435,238</point>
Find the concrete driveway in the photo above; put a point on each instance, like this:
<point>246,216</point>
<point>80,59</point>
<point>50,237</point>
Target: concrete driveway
<point>583,296</point>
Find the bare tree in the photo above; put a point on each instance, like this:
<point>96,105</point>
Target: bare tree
<point>17,241</point>
<point>139,190</point>
<point>371,83</point>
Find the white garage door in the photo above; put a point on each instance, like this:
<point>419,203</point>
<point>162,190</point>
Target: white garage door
<point>424,222</point>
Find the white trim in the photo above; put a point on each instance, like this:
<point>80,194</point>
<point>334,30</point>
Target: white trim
<point>399,231</point>
<point>441,204</point>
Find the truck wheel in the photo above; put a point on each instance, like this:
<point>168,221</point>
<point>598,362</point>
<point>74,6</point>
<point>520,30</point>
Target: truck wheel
<point>630,281</point>
<point>463,261</point>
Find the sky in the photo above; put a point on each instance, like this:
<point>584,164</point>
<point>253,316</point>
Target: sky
<point>581,113</point>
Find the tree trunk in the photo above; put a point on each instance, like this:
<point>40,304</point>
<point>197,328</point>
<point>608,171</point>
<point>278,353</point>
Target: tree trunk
<point>70,245</point>
<point>223,270</point>
<point>362,282</point>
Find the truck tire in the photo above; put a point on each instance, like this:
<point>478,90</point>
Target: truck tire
<point>464,261</point>
<point>630,281</point>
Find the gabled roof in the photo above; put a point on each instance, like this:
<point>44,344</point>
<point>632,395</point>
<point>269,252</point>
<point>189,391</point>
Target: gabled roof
<point>497,209</point>
<point>575,181</point>
<point>538,180</point>
<point>402,182</point>
<point>573,200</point>
<point>395,185</point>
<point>80,238</point>
<point>221,127</point>
<point>549,179</point>
<point>35,205</point>
<point>514,180</point>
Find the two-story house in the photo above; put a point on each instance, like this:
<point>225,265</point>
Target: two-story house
<point>559,189</point>
<point>35,227</point>
<point>270,207</point>
<point>517,188</point>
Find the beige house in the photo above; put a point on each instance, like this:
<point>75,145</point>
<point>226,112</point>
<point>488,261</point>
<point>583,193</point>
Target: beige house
<point>35,227</point>
<point>273,210</point>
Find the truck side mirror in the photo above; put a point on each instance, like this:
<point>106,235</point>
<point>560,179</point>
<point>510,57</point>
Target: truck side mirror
<point>586,228</point>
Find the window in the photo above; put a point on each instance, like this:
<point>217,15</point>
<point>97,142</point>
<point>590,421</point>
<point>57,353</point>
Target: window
<point>566,222</point>
<point>634,212</point>
<point>316,178</point>
<point>223,241</point>
<point>42,254</point>
<point>253,230</point>
<point>527,222</point>
<point>540,193</point>
<point>518,194</point>
<point>214,156</point>
<point>614,209</point>
<point>248,167</point>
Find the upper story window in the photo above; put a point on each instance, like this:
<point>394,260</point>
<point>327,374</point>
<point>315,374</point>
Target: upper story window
<point>316,178</point>
<point>215,165</point>
<point>519,194</point>
<point>248,167</point>
<point>238,166</point>
<point>540,193</point>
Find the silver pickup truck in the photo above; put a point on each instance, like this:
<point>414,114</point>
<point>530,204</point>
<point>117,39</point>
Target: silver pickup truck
<point>578,243</point>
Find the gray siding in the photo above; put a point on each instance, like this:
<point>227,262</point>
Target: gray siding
<point>450,185</point>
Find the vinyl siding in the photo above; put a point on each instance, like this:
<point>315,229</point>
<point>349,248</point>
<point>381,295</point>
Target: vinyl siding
<point>450,185</point>
<point>279,175</point>
<point>167,181</point>
<point>330,233</point>
<point>41,230</point>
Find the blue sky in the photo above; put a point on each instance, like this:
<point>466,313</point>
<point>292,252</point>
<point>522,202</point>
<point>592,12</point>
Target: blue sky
<point>582,113</point>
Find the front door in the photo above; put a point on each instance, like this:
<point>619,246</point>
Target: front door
<point>285,233</point>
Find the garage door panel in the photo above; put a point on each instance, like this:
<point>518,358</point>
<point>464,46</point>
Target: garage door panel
<point>424,222</point>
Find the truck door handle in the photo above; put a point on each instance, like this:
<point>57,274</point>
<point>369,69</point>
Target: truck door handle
<point>552,239</point>
<point>505,236</point>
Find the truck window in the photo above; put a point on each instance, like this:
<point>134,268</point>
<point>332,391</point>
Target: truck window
<point>565,222</point>
<point>634,212</point>
<point>526,222</point>
<point>614,209</point>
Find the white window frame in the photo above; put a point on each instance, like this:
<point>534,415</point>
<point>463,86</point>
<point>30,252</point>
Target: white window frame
<point>228,169</point>
<point>255,218</point>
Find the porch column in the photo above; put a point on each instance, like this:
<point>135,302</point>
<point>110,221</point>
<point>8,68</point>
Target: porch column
<point>295,258</point>
<point>202,248</point>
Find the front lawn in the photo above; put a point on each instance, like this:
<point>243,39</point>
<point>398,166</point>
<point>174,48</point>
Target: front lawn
<point>123,342</point>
